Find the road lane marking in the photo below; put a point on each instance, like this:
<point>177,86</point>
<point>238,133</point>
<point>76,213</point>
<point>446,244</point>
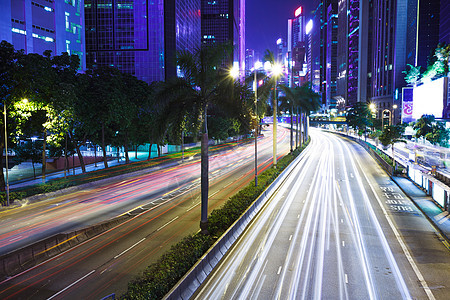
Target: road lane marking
<point>192,207</point>
<point>343,243</point>
<point>346,278</point>
<point>125,251</point>
<point>279,270</point>
<point>342,220</point>
<point>71,285</point>
<point>167,223</point>
<point>290,238</point>
<point>400,241</point>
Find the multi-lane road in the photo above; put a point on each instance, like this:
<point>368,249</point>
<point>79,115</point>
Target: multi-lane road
<point>338,228</point>
<point>166,203</point>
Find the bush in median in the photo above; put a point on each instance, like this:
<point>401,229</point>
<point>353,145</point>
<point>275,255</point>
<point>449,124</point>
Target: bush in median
<point>160,277</point>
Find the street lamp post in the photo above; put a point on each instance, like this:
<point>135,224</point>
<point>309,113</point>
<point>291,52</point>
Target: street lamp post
<point>394,107</point>
<point>256,130</point>
<point>6,155</point>
<point>276,71</point>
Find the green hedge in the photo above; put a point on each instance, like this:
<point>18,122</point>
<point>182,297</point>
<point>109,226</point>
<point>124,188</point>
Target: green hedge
<point>160,277</point>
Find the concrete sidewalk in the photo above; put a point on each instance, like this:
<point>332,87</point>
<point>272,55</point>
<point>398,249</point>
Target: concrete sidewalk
<point>440,219</point>
<point>23,175</point>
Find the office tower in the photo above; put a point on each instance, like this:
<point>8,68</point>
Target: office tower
<point>40,25</point>
<point>296,48</point>
<point>316,36</point>
<point>250,60</point>
<point>141,37</point>
<point>331,55</point>
<point>224,21</point>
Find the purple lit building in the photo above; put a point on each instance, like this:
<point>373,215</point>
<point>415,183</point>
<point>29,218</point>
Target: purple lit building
<point>224,21</point>
<point>39,25</point>
<point>141,37</point>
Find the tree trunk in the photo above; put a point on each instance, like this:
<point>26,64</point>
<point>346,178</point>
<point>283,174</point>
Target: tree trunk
<point>2,176</point>
<point>182,145</point>
<point>150,151</point>
<point>204,173</point>
<point>44,160</point>
<point>135,153</point>
<point>159,150</point>
<point>65,156</point>
<point>105,161</point>
<point>80,157</point>
<point>204,183</point>
<point>292,126</point>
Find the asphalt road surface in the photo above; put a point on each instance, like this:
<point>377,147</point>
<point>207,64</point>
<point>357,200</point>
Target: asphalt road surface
<point>167,206</point>
<point>337,228</point>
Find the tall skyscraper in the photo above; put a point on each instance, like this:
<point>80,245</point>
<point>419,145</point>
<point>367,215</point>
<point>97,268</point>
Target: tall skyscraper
<point>39,25</point>
<point>444,22</point>
<point>331,55</point>
<point>224,21</point>
<point>141,37</point>
<point>296,47</point>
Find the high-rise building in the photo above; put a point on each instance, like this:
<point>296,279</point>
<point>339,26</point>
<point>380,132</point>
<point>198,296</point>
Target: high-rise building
<point>331,55</point>
<point>223,21</point>
<point>40,25</point>
<point>296,48</point>
<point>141,37</point>
<point>444,22</point>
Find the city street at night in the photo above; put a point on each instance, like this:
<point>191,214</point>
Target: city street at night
<point>337,228</point>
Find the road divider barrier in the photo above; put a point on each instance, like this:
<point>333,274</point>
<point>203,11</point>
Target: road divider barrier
<point>189,284</point>
<point>27,257</point>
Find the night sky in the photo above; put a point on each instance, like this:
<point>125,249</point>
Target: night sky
<point>266,21</point>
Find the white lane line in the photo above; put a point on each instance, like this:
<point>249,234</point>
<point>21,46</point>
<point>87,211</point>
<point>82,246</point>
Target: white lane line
<point>71,285</point>
<point>298,216</point>
<point>125,251</point>
<point>342,220</point>
<point>343,243</point>
<point>290,238</point>
<point>279,270</point>
<point>167,223</point>
<point>401,242</point>
<point>346,278</point>
<point>192,207</point>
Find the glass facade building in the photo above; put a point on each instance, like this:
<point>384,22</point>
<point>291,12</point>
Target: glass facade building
<point>141,37</point>
<point>40,25</point>
<point>224,21</point>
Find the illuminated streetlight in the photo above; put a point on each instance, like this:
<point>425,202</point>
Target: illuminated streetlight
<point>276,72</point>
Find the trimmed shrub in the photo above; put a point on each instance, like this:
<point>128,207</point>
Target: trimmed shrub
<point>160,277</point>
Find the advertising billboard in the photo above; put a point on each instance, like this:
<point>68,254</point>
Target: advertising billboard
<point>428,99</point>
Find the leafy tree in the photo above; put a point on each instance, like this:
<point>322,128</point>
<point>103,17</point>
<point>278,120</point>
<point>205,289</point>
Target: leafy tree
<point>424,125</point>
<point>8,82</point>
<point>434,132</point>
<point>391,135</point>
<point>439,135</point>
<point>299,98</point>
<point>100,97</point>
<point>412,76</point>
<point>187,100</point>
<point>359,117</point>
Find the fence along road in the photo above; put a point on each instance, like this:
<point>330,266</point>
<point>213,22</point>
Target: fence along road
<point>332,232</point>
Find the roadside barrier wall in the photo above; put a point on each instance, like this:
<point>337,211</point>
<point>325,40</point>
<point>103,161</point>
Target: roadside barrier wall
<point>22,259</point>
<point>188,285</point>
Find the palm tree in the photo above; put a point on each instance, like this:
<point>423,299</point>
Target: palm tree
<point>304,100</point>
<point>186,100</point>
